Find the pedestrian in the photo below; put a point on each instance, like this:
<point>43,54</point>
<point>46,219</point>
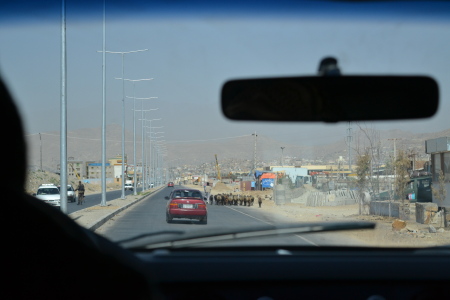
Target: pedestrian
<point>208,190</point>
<point>80,189</point>
<point>259,201</point>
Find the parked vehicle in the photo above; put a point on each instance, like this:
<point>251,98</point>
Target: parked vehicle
<point>49,193</point>
<point>71,195</point>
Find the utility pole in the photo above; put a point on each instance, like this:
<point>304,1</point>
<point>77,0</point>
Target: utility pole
<point>40,146</point>
<point>395,153</point>
<point>282,159</point>
<point>349,142</point>
<point>254,153</point>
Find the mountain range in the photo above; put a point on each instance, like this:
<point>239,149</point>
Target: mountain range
<point>85,145</point>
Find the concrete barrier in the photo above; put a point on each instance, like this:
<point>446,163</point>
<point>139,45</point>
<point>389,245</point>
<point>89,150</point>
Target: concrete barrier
<point>426,212</point>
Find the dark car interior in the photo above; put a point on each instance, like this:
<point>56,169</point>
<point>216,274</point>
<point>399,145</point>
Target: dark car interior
<point>37,235</point>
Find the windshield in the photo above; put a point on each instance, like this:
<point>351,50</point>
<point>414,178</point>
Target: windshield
<point>164,70</point>
<point>186,194</point>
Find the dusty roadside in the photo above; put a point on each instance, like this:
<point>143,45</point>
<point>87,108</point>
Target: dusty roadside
<point>414,235</point>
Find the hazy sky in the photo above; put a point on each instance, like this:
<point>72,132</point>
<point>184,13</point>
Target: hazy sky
<point>190,57</point>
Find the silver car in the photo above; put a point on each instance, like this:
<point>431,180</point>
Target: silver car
<point>49,193</point>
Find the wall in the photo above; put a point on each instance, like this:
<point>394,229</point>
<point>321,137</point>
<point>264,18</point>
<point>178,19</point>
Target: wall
<point>381,208</point>
<point>332,198</point>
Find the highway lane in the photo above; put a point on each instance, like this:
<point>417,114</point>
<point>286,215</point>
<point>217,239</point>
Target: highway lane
<point>149,216</point>
<point>95,199</point>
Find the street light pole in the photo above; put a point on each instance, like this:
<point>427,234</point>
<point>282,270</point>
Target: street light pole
<point>146,181</point>
<point>142,144</point>
<point>157,160</point>
<point>153,152</point>
<point>142,138</point>
<point>40,147</point>
<point>63,138</point>
<point>103,202</point>
<point>134,127</point>
<point>122,53</point>
<point>282,159</point>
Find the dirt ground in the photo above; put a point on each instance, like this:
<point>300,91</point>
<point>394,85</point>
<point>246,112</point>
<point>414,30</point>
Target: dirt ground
<point>413,235</point>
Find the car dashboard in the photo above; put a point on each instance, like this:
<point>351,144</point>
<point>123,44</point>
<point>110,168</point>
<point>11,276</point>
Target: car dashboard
<point>302,273</point>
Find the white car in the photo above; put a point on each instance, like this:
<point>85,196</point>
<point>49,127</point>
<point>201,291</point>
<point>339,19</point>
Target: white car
<point>71,196</point>
<point>129,186</point>
<point>49,193</point>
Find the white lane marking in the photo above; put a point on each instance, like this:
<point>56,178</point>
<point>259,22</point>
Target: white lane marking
<point>306,240</point>
<point>250,215</point>
<point>299,236</point>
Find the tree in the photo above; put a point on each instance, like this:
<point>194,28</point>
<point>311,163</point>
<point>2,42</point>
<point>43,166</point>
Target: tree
<point>368,139</point>
<point>402,164</point>
<point>362,171</point>
<point>402,178</point>
<point>439,193</point>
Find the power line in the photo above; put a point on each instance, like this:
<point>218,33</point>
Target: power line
<point>168,142</point>
<point>231,137</point>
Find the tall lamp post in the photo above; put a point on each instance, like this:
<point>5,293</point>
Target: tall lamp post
<point>282,159</point>
<point>149,148</point>
<point>146,164</point>
<point>63,112</point>
<point>122,53</point>
<point>153,150</point>
<point>143,143</point>
<point>157,156</point>
<point>134,126</point>
<point>142,138</point>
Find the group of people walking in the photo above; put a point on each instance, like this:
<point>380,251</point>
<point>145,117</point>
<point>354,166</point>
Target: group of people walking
<point>229,199</point>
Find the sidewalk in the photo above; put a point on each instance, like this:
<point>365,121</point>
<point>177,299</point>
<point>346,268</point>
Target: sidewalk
<point>95,216</point>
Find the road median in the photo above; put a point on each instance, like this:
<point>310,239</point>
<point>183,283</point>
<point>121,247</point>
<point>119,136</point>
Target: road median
<point>95,216</point>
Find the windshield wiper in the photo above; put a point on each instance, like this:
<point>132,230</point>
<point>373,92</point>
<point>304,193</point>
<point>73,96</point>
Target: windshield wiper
<point>144,235</point>
<point>208,236</point>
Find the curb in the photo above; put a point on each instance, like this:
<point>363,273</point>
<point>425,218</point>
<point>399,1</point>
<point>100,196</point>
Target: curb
<point>97,224</point>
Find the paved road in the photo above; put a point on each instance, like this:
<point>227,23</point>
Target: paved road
<point>149,216</point>
<point>95,199</point>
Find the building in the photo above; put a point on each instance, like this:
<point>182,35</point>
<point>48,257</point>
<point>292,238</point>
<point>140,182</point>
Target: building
<point>76,169</point>
<point>291,172</point>
<point>94,171</point>
<point>116,163</point>
<point>439,149</point>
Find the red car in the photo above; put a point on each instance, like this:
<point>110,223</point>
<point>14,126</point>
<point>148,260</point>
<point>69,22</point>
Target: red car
<point>170,184</point>
<point>186,204</point>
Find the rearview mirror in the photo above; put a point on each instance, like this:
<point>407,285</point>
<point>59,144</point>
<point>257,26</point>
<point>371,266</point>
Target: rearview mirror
<point>331,98</point>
